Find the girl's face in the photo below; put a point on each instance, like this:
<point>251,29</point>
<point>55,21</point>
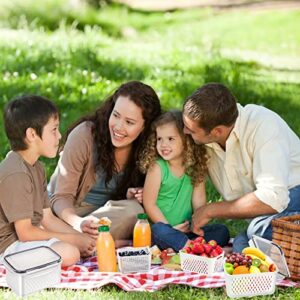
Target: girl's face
<point>169,143</point>
<point>125,123</point>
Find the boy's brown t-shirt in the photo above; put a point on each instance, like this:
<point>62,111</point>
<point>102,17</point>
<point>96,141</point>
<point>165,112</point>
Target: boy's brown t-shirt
<point>23,195</point>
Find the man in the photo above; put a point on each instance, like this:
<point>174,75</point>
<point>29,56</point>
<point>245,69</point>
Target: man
<point>254,160</point>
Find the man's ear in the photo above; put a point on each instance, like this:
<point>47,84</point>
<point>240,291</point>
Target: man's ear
<point>217,131</point>
<point>30,135</point>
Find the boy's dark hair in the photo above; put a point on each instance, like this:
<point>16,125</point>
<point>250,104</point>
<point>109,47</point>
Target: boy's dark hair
<point>211,105</point>
<point>27,112</point>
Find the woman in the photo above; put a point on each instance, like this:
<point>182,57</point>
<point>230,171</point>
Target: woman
<point>98,163</point>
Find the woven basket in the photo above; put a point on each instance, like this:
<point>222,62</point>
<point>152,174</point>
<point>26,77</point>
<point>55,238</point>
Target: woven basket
<point>286,233</point>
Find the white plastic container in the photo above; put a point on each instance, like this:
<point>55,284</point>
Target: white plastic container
<point>134,263</point>
<point>31,270</point>
<point>259,284</point>
<point>201,264</point>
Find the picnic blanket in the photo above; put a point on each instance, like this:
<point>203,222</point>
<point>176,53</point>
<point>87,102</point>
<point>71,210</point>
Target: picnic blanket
<point>85,275</point>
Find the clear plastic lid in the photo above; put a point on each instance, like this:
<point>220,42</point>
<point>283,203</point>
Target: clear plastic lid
<point>272,250</point>
<point>31,259</point>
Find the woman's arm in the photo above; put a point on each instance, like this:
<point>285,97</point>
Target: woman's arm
<point>150,193</point>
<point>67,176</point>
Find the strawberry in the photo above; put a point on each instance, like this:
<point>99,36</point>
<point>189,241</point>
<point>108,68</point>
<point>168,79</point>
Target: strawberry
<point>200,240</point>
<point>219,249</point>
<point>207,248</point>
<point>213,243</point>
<point>191,244</point>
<point>213,253</point>
<point>163,254</point>
<point>198,248</point>
<point>204,254</point>
<point>187,249</point>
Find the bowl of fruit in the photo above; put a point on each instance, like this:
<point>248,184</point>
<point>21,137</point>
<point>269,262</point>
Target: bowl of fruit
<point>202,257</point>
<point>250,273</point>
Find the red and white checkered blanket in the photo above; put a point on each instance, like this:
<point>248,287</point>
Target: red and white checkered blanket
<point>86,276</point>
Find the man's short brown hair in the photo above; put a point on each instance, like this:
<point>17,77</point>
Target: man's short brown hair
<point>210,106</point>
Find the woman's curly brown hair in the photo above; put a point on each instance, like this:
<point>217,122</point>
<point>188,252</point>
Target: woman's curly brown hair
<point>145,98</point>
<point>194,156</point>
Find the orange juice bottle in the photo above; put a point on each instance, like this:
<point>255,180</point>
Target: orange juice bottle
<point>142,232</point>
<point>106,252</point>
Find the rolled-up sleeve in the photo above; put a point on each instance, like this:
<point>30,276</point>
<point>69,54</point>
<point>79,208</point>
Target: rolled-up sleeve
<point>271,166</point>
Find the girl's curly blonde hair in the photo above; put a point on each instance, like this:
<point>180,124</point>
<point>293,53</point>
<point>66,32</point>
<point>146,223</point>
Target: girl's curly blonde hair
<point>194,156</point>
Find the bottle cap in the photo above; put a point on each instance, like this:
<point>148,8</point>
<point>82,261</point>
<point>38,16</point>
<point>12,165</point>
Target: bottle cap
<point>103,228</point>
<point>142,216</point>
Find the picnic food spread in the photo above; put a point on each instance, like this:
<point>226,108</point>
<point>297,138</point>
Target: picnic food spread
<point>249,273</point>
<point>200,247</point>
<point>251,260</point>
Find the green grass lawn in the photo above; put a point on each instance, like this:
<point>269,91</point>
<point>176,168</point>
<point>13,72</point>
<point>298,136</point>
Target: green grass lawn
<point>77,55</point>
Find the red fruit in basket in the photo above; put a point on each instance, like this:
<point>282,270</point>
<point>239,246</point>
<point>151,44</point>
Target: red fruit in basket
<point>187,250</point>
<point>213,243</point>
<point>272,268</point>
<point>163,254</point>
<point>200,240</point>
<point>198,248</point>
<point>207,248</point>
<point>219,249</point>
<point>204,254</point>
<point>213,253</point>
<point>191,244</point>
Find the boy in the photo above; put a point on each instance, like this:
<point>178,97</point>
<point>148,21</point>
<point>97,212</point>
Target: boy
<point>26,221</point>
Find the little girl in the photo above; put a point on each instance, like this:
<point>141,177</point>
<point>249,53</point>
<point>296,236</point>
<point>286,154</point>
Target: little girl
<point>174,185</point>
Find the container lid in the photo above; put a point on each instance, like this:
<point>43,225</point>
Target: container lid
<point>103,228</point>
<point>272,250</point>
<point>32,259</point>
<point>142,216</point>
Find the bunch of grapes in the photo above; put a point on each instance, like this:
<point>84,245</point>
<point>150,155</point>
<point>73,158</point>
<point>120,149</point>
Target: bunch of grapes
<point>239,259</point>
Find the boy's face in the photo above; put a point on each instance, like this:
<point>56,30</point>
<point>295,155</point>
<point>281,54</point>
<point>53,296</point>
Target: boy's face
<point>48,144</point>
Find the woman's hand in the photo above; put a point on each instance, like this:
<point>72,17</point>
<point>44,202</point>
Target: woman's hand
<point>135,194</point>
<point>90,226</point>
<point>183,227</point>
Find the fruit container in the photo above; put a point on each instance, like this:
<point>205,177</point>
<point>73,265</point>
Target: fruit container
<point>31,270</point>
<point>134,259</point>
<point>258,284</point>
<point>201,264</point>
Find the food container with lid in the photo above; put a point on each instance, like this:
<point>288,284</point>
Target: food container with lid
<point>31,270</point>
